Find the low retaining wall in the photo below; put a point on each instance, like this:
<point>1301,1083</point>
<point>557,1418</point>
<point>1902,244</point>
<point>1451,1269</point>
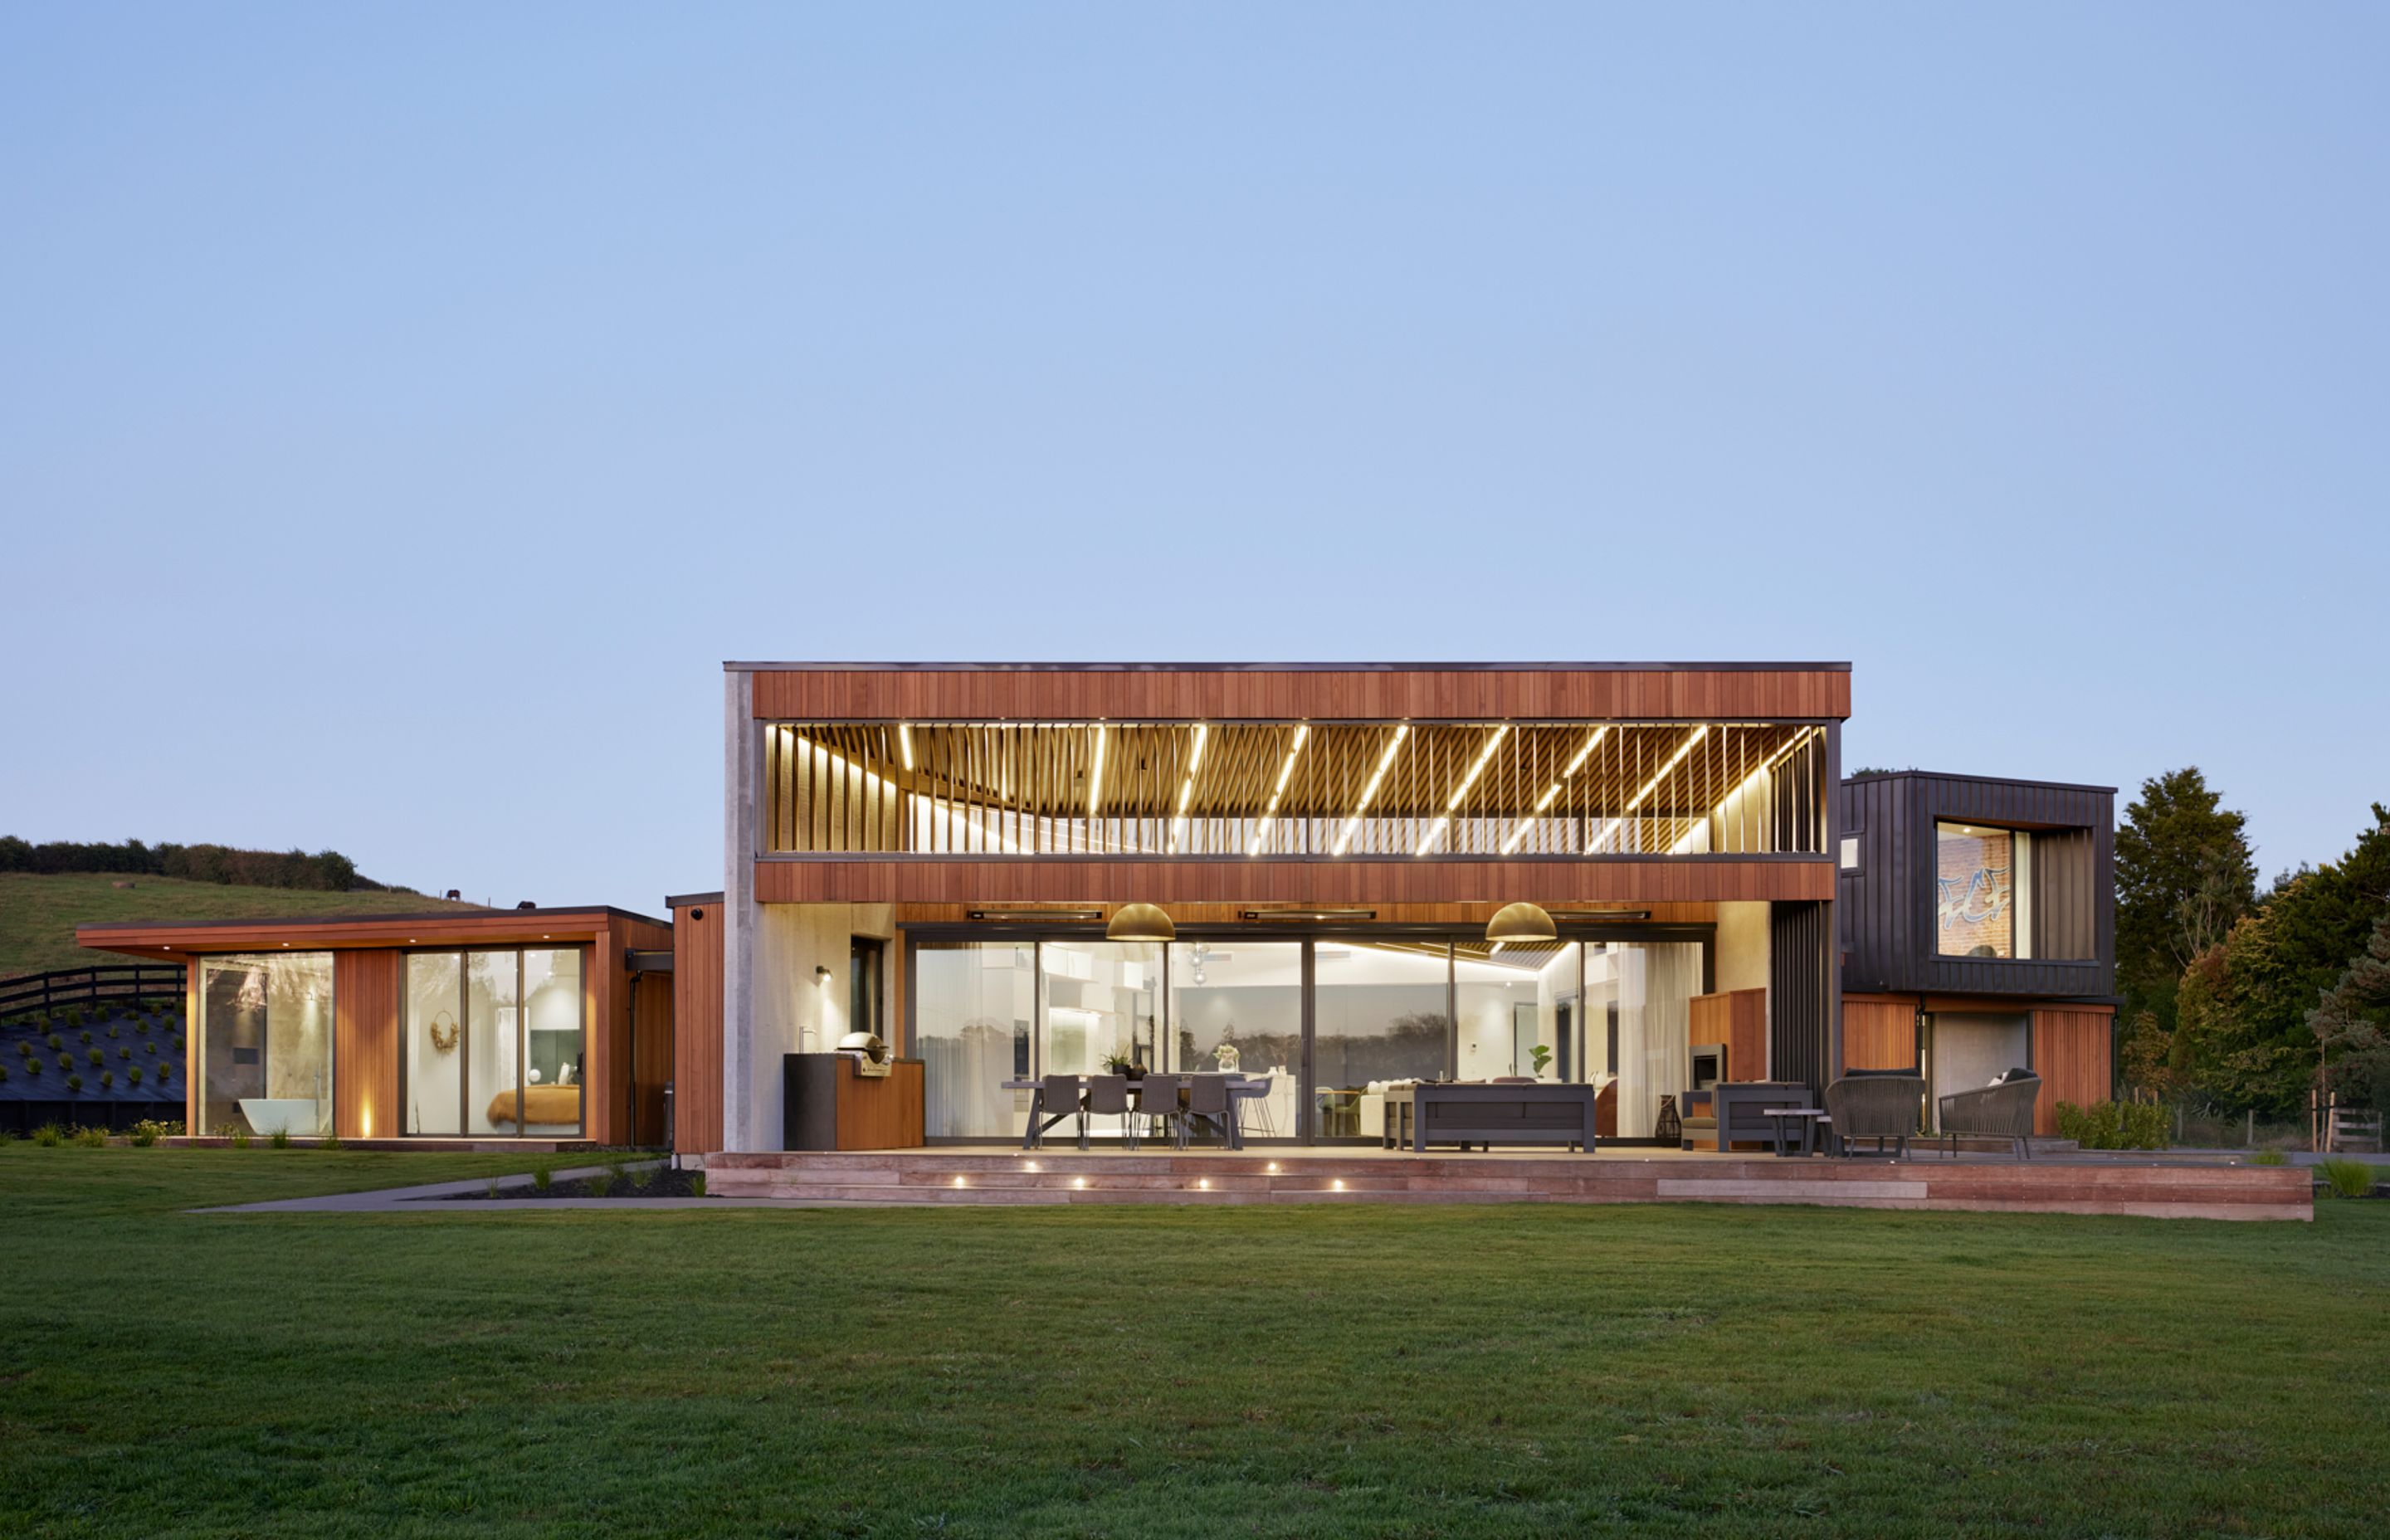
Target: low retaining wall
<point>2073,1187</point>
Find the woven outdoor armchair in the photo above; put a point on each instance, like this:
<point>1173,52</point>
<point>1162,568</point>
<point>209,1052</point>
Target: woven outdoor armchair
<point>1876,1107</point>
<point>2001,1111</point>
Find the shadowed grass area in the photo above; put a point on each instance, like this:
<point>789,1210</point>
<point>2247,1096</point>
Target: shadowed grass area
<point>1362,1371</point>
<point>39,911</point>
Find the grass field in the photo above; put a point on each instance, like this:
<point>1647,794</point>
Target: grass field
<point>38,913</point>
<point>1450,1372</point>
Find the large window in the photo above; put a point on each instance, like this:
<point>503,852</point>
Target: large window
<point>1426,791</point>
<point>266,1042</point>
<point>494,1043</point>
<point>1983,882</point>
<point>1382,1011</point>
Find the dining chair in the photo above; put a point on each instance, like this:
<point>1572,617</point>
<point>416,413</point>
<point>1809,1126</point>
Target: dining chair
<point>1058,1098</point>
<point>1207,1096</point>
<point>1107,1097</point>
<point>1265,1120</point>
<point>1157,1100</point>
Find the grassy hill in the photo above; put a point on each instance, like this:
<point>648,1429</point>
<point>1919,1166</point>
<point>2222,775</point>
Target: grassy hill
<point>39,913</point>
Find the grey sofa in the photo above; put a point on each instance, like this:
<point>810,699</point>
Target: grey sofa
<point>2001,1110</point>
<point>1875,1104</point>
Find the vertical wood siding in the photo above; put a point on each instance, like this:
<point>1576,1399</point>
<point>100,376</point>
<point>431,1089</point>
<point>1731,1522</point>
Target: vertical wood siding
<point>2071,1046</point>
<point>1739,1019</point>
<point>1877,1034</point>
<point>365,989</point>
<point>697,1028</point>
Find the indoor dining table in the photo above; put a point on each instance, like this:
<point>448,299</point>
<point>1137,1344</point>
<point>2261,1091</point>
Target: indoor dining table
<point>1241,1088</point>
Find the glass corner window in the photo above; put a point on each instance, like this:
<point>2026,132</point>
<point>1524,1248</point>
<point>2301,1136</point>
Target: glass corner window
<point>265,1044</point>
<point>1982,883</point>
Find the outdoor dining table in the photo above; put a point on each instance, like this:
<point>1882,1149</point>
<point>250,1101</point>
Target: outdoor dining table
<point>1241,1088</point>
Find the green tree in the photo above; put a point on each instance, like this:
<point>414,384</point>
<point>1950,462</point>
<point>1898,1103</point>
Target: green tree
<point>2349,1024</point>
<point>2184,876</point>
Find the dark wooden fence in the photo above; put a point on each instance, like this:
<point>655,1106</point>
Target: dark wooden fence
<point>77,986</point>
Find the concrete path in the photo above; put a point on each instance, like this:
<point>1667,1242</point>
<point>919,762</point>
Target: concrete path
<point>436,1198</point>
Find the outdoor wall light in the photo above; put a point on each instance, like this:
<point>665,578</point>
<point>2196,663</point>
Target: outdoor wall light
<point>820,972</point>
<point>1139,922</point>
<point>1521,922</point>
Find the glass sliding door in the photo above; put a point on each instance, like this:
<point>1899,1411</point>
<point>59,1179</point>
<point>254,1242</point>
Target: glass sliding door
<point>974,1007</point>
<point>553,1095</point>
<point>1638,1001</point>
<point>1244,997</point>
<point>1514,999</point>
<point>265,1044</point>
<point>1102,1002</point>
<point>495,1043</point>
<point>1381,1013</point>
<point>435,1042</point>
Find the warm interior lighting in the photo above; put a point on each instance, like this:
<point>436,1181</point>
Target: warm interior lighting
<point>1742,785</point>
<point>905,744</point>
<point>1651,785</point>
<point>1553,790</point>
<point>1187,788</point>
<point>1444,820</point>
<point>1385,762</point>
<point>1285,772</point>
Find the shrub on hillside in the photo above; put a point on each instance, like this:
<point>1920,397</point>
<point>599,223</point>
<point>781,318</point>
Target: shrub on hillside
<point>95,1056</point>
<point>54,1041</point>
<point>326,871</point>
<point>2113,1126</point>
<point>74,1083</point>
<point>165,1073</point>
<point>106,1079</point>
<point>84,1038</point>
<point>66,1061</point>
<point>74,1017</point>
<point>33,1068</point>
<point>24,1049</point>
<point>133,1075</point>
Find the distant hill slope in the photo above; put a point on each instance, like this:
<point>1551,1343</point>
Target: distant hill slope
<point>39,913</point>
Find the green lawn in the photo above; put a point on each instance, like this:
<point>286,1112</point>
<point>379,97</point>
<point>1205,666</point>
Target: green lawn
<point>39,913</point>
<point>1362,1371</point>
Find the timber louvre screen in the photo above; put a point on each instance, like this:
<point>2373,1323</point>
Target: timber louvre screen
<point>1293,788</point>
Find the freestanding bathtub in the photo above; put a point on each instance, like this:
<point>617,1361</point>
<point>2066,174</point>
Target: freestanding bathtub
<point>300,1115</point>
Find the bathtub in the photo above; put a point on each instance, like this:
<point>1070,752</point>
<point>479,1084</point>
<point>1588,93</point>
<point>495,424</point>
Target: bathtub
<point>297,1115</point>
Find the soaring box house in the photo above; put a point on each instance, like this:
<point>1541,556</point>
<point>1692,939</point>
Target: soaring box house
<point>1979,931</point>
<point>932,852</point>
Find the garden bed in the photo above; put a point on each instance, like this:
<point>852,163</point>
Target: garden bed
<point>650,1183</point>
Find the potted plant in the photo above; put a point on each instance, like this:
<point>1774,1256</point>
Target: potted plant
<point>1121,1064</point>
<point>1543,1058</point>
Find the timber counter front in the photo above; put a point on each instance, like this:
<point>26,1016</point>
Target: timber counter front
<point>829,1105</point>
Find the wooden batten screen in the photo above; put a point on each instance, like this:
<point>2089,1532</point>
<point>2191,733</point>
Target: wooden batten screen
<point>1801,992</point>
<point>1878,1034</point>
<point>1437,789</point>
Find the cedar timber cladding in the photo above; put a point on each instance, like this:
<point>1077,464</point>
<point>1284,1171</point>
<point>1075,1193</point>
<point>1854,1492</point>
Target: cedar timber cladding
<point>365,987</point>
<point>696,1023</point>
<point>1265,692</point>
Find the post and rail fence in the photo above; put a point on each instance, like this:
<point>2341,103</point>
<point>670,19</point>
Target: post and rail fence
<point>118,984</point>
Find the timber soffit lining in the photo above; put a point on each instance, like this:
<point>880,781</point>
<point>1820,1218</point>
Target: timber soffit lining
<point>1293,788</point>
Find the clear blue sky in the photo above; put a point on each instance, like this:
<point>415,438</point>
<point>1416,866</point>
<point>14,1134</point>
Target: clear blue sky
<point>403,410</point>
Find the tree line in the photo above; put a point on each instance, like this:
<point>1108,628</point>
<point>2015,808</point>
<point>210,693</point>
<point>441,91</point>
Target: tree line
<point>2245,998</point>
<point>326,871</point>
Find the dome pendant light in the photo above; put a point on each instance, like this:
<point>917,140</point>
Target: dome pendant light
<point>1517,923</point>
<point>1145,922</point>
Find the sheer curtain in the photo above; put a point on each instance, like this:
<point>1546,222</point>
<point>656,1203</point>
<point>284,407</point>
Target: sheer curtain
<point>1655,985</point>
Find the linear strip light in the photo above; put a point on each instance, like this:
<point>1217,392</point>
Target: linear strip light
<point>1307,914</point>
<point>1553,790</point>
<point>1036,914</point>
<point>1385,762</point>
<point>905,743</point>
<point>1444,819</point>
<point>1744,784</point>
<point>1096,776</point>
<point>1187,788</point>
<point>1269,815</point>
<point>1649,786</point>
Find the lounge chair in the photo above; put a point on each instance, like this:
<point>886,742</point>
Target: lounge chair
<point>1875,1104</point>
<point>2001,1110</point>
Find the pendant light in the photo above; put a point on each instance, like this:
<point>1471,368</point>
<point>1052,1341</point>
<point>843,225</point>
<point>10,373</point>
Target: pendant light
<point>1144,922</point>
<point>1517,923</point>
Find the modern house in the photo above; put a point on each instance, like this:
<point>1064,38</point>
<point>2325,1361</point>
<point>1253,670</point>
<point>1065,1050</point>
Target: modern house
<point>943,855</point>
<point>1978,931</point>
<point>936,853</point>
<point>546,1024</point>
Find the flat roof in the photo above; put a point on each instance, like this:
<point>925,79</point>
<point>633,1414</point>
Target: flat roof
<point>1745,667</point>
<point>274,921</point>
<point>1980,780</point>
